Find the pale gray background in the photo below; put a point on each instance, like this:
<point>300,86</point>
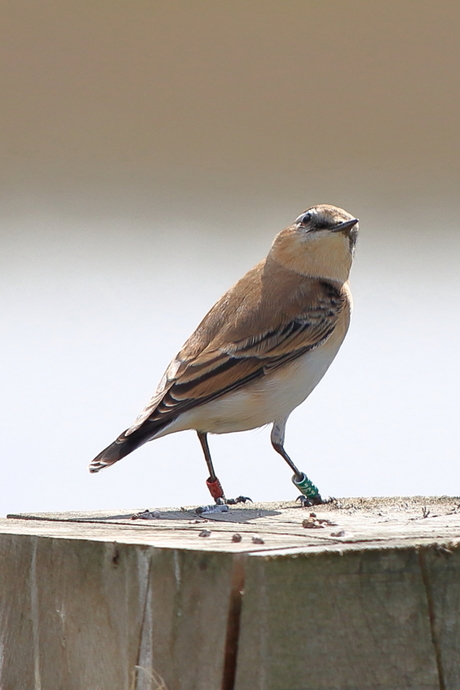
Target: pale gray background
<point>150,151</point>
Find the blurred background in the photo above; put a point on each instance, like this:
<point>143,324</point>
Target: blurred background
<point>150,151</point>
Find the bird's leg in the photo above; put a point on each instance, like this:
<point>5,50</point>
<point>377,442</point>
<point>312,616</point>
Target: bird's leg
<point>309,492</point>
<point>277,439</point>
<point>213,483</point>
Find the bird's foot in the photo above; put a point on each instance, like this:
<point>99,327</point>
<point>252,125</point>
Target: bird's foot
<point>221,505</point>
<point>217,492</point>
<point>233,501</point>
<point>310,494</point>
<point>317,500</point>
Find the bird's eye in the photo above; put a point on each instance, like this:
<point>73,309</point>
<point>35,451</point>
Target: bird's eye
<point>304,218</point>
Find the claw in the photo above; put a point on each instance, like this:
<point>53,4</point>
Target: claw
<point>315,501</point>
<point>238,499</point>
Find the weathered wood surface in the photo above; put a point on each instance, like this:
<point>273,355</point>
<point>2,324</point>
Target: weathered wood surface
<point>353,521</point>
<point>365,597</point>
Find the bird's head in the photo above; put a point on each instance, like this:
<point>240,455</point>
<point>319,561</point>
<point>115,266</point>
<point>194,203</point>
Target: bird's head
<point>319,243</point>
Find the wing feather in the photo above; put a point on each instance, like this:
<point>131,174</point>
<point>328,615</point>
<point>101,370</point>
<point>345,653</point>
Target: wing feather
<point>227,362</point>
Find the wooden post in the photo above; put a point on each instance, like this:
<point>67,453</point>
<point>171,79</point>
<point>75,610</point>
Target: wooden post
<point>362,595</point>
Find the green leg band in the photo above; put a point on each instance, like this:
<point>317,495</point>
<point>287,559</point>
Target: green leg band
<point>305,486</point>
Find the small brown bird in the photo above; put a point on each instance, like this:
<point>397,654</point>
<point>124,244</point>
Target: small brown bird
<point>261,349</point>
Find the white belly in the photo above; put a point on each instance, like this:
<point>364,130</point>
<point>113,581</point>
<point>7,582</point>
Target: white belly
<point>270,398</point>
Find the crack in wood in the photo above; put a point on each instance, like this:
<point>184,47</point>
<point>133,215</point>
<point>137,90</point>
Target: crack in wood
<point>233,621</point>
<point>35,615</point>
<point>144,577</point>
<point>431,614</point>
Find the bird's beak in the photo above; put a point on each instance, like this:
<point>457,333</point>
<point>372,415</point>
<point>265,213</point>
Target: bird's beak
<point>346,225</point>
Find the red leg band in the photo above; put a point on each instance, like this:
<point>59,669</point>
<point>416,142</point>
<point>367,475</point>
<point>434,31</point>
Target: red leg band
<point>215,488</point>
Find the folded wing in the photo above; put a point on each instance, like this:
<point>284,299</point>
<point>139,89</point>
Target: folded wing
<point>222,366</point>
<point>245,336</point>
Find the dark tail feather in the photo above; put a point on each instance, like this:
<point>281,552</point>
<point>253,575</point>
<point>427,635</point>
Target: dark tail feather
<point>117,450</point>
<point>124,445</point>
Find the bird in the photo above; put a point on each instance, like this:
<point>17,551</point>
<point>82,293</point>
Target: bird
<point>260,350</point>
